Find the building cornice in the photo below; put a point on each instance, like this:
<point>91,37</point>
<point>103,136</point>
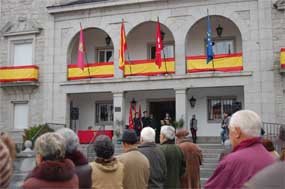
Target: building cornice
<point>104,4</point>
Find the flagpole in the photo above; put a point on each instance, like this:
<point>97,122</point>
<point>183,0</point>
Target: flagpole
<point>130,65</point>
<point>86,56</point>
<point>164,61</point>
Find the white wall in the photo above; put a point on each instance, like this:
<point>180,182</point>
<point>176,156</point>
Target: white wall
<point>139,39</point>
<point>200,110</point>
<point>195,41</point>
<point>86,104</point>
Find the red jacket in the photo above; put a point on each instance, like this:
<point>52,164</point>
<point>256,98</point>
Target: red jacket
<point>248,158</point>
<point>53,174</point>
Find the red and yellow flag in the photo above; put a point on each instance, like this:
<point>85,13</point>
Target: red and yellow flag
<point>123,47</point>
<point>80,54</point>
<point>158,45</point>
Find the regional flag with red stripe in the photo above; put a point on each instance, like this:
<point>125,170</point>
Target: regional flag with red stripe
<point>80,54</point>
<point>158,45</point>
<point>123,47</point>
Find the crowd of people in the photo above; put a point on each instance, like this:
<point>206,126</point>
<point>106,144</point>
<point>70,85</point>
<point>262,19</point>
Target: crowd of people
<point>252,161</point>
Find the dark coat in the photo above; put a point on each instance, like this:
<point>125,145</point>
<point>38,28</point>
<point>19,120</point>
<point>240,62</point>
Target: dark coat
<point>193,158</point>
<point>272,176</point>
<point>175,164</point>
<point>158,168</point>
<point>247,159</point>
<point>82,168</point>
<point>52,174</point>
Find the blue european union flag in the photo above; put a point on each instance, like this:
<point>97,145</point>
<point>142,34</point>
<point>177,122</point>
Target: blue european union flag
<point>210,53</point>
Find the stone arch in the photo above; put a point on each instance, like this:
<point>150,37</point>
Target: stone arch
<point>98,41</point>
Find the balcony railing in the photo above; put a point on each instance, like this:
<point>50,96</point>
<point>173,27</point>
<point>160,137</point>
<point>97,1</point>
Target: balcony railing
<point>149,68</point>
<point>97,70</point>
<point>282,58</point>
<point>19,73</point>
<point>222,62</point>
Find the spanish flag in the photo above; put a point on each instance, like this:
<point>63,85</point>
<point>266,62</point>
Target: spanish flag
<point>80,54</point>
<point>123,47</point>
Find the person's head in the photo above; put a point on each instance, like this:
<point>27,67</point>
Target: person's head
<point>193,116</point>
<point>147,135</point>
<point>129,139</point>
<point>166,114</point>
<point>244,124</point>
<point>166,133</point>
<point>90,127</point>
<point>50,146</point>
<point>7,140</point>
<point>268,144</point>
<point>226,114</point>
<point>71,139</point>
<point>103,147</point>
<point>181,134</point>
<point>151,116</point>
<point>145,114</point>
<point>282,154</point>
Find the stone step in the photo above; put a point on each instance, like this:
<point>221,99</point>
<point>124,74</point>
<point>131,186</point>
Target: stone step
<point>211,160</point>
<point>209,165</point>
<point>212,151</point>
<point>211,155</point>
<point>212,146</point>
<point>203,181</point>
<point>206,172</point>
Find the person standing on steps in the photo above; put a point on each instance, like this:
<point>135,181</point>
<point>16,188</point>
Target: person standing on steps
<point>194,128</point>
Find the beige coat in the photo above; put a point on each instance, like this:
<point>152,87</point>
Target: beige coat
<point>136,169</point>
<point>108,175</point>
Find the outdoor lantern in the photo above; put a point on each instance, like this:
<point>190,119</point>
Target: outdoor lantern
<point>133,103</point>
<point>108,40</point>
<point>162,34</point>
<point>219,30</point>
<point>192,101</point>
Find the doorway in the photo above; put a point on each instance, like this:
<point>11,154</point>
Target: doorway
<point>158,110</point>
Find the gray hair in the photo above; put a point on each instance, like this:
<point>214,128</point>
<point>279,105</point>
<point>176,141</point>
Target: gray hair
<point>104,147</point>
<point>248,121</point>
<point>51,146</point>
<point>168,132</point>
<point>71,139</point>
<point>148,134</point>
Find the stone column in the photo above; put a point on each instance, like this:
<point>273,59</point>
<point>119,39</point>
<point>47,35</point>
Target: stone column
<point>181,105</point>
<point>119,108</point>
<point>180,68</point>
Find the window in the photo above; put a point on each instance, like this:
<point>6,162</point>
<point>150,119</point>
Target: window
<point>105,55</point>
<point>168,51</point>
<point>218,105</point>
<point>22,53</point>
<point>104,112</point>
<point>21,115</point>
<point>223,46</point>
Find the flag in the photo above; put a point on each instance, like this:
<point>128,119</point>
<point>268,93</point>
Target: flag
<point>158,45</point>
<point>123,47</point>
<point>131,121</point>
<point>80,54</point>
<point>210,53</point>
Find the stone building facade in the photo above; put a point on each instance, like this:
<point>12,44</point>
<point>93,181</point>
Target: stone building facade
<point>253,29</point>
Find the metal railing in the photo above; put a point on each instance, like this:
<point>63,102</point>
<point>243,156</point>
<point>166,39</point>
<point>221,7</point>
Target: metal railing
<point>275,133</point>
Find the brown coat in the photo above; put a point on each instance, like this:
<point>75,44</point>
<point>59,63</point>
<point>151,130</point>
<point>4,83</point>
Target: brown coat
<point>6,166</point>
<point>107,175</point>
<point>136,169</point>
<point>53,174</point>
<point>193,158</point>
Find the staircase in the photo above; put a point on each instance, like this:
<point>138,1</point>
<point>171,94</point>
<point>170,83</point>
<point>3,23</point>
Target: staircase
<point>211,154</point>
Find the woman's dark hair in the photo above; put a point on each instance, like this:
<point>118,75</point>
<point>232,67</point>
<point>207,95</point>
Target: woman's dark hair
<point>268,144</point>
<point>104,147</point>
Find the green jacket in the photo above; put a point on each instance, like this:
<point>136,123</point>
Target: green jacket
<point>175,164</point>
